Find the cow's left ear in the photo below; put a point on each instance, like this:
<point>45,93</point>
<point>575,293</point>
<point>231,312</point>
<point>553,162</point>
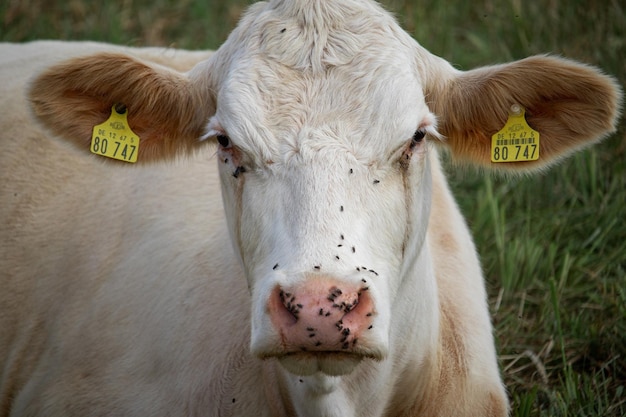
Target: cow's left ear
<point>571,105</point>
<point>164,108</point>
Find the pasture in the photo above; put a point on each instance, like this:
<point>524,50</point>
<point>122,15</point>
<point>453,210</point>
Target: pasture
<point>553,246</point>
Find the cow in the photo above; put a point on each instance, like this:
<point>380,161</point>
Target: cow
<point>285,243</point>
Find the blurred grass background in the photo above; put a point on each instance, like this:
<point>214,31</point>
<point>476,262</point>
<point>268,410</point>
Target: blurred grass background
<point>553,245</point>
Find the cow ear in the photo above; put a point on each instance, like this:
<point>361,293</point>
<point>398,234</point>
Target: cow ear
<point>164,109</point>
<point>571,105</point>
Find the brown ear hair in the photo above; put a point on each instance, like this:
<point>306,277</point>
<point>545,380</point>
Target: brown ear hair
<point>164,109</point>
<point>571,105</point>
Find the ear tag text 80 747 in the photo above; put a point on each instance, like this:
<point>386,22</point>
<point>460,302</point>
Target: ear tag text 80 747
<point>114,138</point>
<point>516,141</point>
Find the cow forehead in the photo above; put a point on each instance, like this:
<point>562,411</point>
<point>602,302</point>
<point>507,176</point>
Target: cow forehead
<point>349,86</point>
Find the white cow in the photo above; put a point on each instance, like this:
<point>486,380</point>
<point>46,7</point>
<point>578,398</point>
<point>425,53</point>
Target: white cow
<point>339,279</point>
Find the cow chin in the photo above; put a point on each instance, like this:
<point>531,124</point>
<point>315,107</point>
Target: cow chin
<point>329,363</point>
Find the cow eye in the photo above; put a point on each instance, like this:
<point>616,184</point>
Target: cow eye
<point>223,140</point>
<point>418,136</point>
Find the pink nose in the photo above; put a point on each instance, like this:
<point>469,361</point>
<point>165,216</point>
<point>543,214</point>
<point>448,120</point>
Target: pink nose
<point>322,314</point>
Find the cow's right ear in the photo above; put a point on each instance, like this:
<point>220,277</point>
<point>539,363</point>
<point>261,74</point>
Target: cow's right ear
<point>164,108</point>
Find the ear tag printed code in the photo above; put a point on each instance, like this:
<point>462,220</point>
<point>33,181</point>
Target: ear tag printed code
<point>516,141</point>
<point>114,138</point>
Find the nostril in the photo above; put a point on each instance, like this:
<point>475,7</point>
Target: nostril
<point>361,307</point>
<point>288,301</point>
<point>283,308</point>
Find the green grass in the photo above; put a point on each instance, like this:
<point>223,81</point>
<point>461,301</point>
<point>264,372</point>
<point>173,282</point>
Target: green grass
<point>553,246</point>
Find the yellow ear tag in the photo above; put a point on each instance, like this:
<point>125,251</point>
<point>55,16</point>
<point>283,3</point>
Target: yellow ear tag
<point>516,141</point>
<point>114,139</point>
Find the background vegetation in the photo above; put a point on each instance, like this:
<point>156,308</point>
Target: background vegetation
<point>553,246</point>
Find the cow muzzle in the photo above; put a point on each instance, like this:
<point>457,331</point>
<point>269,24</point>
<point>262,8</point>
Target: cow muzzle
<point>323,325</point>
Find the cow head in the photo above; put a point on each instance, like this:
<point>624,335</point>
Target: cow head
<point>324,115</point>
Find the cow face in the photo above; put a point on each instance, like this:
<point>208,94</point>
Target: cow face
<point>325,181</point>
<point>322,116</point>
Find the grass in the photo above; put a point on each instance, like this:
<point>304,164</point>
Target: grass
<point>553,246</point>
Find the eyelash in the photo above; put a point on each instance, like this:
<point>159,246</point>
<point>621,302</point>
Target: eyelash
<point>418,136</point>
<point>223,140</point>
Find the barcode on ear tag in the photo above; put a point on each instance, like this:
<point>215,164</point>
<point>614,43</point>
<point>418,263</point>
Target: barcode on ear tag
<point>114,138</point>
<point>516,141</point>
